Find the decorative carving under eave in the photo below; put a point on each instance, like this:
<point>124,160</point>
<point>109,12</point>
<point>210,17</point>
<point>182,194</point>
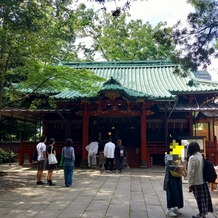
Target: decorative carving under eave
<point>149,112</point>
<point>113,104</point>
<point>115,113</point>
<point>85,101</point>
<point>112,95</point>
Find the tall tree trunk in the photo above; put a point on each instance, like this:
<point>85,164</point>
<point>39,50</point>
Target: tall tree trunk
<point>2,76</point>
<point>1,91</point>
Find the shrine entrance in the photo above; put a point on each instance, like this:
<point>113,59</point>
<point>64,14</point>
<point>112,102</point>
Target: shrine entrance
<point>125,128</point>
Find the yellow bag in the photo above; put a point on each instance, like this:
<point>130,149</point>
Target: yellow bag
<point>179,172</point>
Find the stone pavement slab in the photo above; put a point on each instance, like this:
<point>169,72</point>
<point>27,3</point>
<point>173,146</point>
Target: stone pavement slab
<point>135,193</point>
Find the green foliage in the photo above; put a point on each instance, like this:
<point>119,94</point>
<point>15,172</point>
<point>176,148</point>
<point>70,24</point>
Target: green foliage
<point>12,129</point>
<point>116,39</point>
<point>5,156</point>
<point>57,78</point>
<point>45,80</point>
<point>34,34</point>
<point>200,126</point>
<point>200,39</point>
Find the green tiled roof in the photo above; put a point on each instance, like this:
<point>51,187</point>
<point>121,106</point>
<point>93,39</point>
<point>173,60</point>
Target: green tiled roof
<point>113,84</point>
<point>140,79</point>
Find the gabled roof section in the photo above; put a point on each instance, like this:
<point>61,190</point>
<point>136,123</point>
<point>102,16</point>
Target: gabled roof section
<point>114,85</point>
<point>112,81</point>
<point>141,79</point>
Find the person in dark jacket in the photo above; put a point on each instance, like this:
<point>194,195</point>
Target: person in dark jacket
<point>120,154</point>
<point>173,187</point>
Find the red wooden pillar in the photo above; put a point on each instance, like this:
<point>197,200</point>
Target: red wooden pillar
<point>85,134</point>
<point>21,154</point>
<point>144,155</point>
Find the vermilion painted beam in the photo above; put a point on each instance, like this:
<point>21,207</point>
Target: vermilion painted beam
<point>85,139</point>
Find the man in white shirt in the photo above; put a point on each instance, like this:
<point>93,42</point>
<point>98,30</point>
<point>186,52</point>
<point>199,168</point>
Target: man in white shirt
<point>41,148</point>
<point>109,150</point>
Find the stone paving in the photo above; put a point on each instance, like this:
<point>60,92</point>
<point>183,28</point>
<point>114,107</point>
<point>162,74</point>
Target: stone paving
<point>135,193</point>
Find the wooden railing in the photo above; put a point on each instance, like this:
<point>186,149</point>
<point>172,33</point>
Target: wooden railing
<point>156,147</point>
<point>212,151</point>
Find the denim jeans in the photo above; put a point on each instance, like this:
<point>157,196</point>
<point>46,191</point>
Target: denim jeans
<point>68,175</point>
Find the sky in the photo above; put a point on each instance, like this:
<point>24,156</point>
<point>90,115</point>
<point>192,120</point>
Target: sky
<point>155,11</point>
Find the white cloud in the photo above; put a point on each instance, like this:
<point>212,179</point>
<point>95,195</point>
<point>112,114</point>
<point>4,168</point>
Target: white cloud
<point>152,11</point>
<point>213,69</point>
<point>155,11</point>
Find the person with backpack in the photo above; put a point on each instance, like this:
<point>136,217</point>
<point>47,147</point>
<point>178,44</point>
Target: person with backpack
<point>41,149</point>
<point>196,182</point>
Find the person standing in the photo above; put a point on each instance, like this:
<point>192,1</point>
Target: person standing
<point>41,148</point>
<point>173,187</point>
<point>109,150</point>
<point>92,149</point>
<point>120,154</point>
<point>197,185</point>
<point>51,167</point>
<point>69,159</point>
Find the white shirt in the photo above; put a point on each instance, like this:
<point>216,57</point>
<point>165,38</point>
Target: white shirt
<point>41,147</point>
<point>109,149</point>
<point>92,148</point>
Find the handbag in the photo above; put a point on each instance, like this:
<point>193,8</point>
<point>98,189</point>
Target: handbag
<point>178,171</point>
<point>62,161</point>
<point>51,158</point>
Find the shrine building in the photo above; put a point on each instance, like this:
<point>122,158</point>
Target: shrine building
<point>144,103</point>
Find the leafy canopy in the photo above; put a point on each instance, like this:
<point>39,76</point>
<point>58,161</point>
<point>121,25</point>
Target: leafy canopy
<point>35,34</point>
<point>117,39</point>
<point>200,38</point>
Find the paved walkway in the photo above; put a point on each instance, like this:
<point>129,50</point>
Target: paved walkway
<point>134,194</point>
